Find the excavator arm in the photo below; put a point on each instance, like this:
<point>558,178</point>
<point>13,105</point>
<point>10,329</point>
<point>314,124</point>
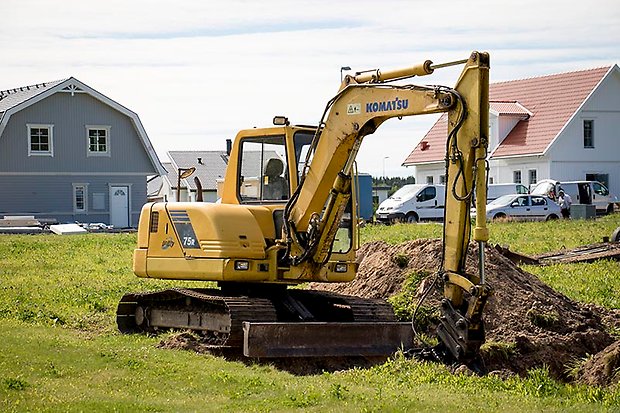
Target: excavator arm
<point>363,103</point>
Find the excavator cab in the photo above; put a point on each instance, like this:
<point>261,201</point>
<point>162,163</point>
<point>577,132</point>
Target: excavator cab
<point>266,167</point>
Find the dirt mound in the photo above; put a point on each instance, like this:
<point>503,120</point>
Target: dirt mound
<point>528,324</point>
<point>603,369</point>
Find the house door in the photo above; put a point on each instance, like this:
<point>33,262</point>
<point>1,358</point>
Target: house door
<point>119,206</point>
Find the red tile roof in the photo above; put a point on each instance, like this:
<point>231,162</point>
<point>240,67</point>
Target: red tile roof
<point>552,100</point>
<point>512,108</point>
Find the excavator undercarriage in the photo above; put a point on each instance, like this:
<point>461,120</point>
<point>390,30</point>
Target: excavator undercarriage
<point>270,322</point>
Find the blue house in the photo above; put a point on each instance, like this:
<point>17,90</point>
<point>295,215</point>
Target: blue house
<point>69,153</point>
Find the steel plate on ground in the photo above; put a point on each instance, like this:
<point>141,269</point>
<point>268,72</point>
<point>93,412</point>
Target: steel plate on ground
<point>313,339</point>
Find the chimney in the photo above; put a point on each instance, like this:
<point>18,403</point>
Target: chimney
<point>228,146</point>
<point>200,161</point>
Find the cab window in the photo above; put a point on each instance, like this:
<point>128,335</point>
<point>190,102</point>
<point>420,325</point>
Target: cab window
<point>600,189</point>
<point>263,170</point>
<point>427,194</point>
<point>302,141</point>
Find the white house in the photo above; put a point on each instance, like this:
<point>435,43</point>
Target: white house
<point>209,168</point>
<point>563,126</point>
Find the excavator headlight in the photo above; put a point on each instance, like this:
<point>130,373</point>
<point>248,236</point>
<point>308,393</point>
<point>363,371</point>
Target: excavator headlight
<point>340,267</point>
<point>242,265</point>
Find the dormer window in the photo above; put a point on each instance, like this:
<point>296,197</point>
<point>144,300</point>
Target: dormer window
<point>40,140</point>
<point>98,140</point>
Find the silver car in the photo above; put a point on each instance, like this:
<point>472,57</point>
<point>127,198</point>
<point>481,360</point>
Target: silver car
<point>521,207</point>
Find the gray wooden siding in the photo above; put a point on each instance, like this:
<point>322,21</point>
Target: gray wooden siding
<point>51,196</point>
<point>70,115</point>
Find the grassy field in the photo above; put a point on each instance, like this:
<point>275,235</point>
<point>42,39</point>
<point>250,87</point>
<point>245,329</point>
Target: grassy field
<point>59,349</point>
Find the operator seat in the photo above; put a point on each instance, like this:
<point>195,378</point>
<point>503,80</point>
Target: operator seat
<point>276,187</point>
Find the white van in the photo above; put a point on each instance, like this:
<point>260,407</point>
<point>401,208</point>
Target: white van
<point>494,191</point>
<point>413,203</point>
<point>581,192</point>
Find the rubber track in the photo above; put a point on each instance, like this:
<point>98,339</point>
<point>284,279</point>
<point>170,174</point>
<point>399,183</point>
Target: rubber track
<point>240,309</point>
<point>252,309</point>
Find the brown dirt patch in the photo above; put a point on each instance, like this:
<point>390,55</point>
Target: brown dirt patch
<point>541,326</point>
<point>602,369</point>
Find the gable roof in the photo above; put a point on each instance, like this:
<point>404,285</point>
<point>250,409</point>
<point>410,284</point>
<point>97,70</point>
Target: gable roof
<point>550,101</point>
<point>13,97</point>
<point>14,100</point>
<point>212,167</point>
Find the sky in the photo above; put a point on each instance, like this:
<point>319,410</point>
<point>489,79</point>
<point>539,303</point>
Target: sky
<point>196,72</point>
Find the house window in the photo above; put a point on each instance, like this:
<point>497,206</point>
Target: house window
<point>602,178</point>
<point>442,179</point>
<point>80,197</point>
<point>532,176</point>
<point>588,133</point>
<point>516,177</point>
<point>98,140</point>
<point>40,140</point>
<point>429,179</point>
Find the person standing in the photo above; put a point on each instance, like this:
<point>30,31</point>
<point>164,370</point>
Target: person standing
<point>565,201</point>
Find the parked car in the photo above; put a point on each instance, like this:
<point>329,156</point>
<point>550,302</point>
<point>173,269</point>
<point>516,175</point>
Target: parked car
<point>581,192</point>
<point>523,207</point>
<point>494,191</point>
<point>412,203</point>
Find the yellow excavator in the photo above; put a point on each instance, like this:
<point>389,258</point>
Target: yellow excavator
<point>289,215</point>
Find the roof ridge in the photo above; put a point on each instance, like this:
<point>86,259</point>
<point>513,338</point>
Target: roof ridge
<point>29,87</point>
<point>607,67</point>
<point>8,92</point>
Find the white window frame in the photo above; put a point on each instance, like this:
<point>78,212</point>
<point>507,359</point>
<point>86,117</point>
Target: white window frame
<point>107,140</point>
<point>50,129</point>
<point>429,179</point>
<point>529,176</point>
<point>85,194</point>
<point>514,176</point>
<point>583,131</point>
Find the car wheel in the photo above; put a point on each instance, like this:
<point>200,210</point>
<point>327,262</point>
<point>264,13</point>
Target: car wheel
<point>552,217</point>
<point>615,236</point>
<point>499,216</point>
<point>411,218</point>
<point>610,209</point>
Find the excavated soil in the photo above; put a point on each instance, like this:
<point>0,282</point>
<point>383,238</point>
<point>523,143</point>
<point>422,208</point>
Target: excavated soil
<point>528,323</point>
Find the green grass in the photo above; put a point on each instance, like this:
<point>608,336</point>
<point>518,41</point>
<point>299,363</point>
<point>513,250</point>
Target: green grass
<point>525,237</point>
<point>59,349</point>
<point>69,281</point>
<point>58,369</point>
